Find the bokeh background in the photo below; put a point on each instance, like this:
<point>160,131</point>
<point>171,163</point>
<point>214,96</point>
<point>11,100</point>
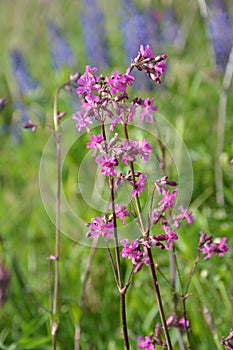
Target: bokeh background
<point>41,43</point>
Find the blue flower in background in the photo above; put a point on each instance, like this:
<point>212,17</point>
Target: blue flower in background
<point>133,27</point>
<point>170,31</point>
<point>22,76</point>
<point>92,22</point>
<point>220,32</point>
<point>60,49</point>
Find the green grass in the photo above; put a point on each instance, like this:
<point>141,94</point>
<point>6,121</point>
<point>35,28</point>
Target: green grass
<point>189,99</point>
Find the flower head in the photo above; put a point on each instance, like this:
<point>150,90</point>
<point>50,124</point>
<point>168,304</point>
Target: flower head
<point>99,227</point>
<point>153,66</point>
<point>208,247</point>
<point>107,164</point>
<point>82,121</point>
<point>139,185</point>
<point>95,142</point>
<point>146,343</point>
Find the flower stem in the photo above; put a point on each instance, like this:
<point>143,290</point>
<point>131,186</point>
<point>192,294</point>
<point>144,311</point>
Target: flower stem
<point>159,299</point>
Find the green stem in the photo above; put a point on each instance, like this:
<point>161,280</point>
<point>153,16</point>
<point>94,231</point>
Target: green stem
<point>159,299</point>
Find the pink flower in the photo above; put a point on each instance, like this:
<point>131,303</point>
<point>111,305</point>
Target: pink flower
<point>107,164</point>
<point>133,251</point>
<point>82,121</point>
<point>145,150</point>
<point>168,199</point>
<point>100,228</point>
<point>139,185</point>
<point>183,215</point>
<point>208,247</point>
<point>170,235</point>
<point>88,82</point>
<point>232,163</point>
<point>121,212</point>
<point>119,82</point>
<point>146,343</point>
<point>153,66</point>
<point>148,109</point>
<point>95,142</point>
<point>146,52</point>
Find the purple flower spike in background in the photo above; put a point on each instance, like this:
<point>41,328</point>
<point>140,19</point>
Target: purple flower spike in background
<point>60,49</point>
<point>23,78</point>
<point>220,32</point>
<point>95,41</point>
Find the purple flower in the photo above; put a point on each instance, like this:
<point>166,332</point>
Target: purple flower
<point>188,216</point>
<point>173,321</point>
<point>146,52</point>
<point>139,185</point>
<point>107,164</point>
<point>82,121</point>
<point>100,228</point>
<point>118,83</point>
<point>170,235</point>
<point>88,82</point>
<point>183,215</point>
<point>153,66</point>
<point>146,343</point>
<point>168,199</point>
<point>121,212</point>
<point>133,251</point>
<point>148,109</point>
<point>95,142</point>
<point>208,247</point>
<point>145,150</point>
<point>232,163</point>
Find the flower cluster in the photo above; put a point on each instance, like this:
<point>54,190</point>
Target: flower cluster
<point>104,226</point>
<point>150,342</point>
<point>208,247</point>
<point>134,252</point>
<point>105,97</point>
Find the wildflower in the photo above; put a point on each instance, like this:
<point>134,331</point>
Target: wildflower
<point>148,109</point>
<point>133,251</point>
<point>228,341</point>
<point>121,212</point>
<point>88,82</point>
<point>208,247</point>
<point>82,121</point>
<point>153,66</point>
<point>181,323</point>
<point>95,142</point>
<point>98,227</point>
<point>183,215</point>
<point>168,199</point>
<point>139,185</point>
<point>145,150</point>
<point>232,163</point>
<point>146,343</point>
<point>29,125</point>
<point>107,164</point>
<point>118,83</point>
<point>170,235</point>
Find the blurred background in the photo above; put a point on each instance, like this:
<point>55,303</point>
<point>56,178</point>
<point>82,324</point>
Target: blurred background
<point>42,43</point>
